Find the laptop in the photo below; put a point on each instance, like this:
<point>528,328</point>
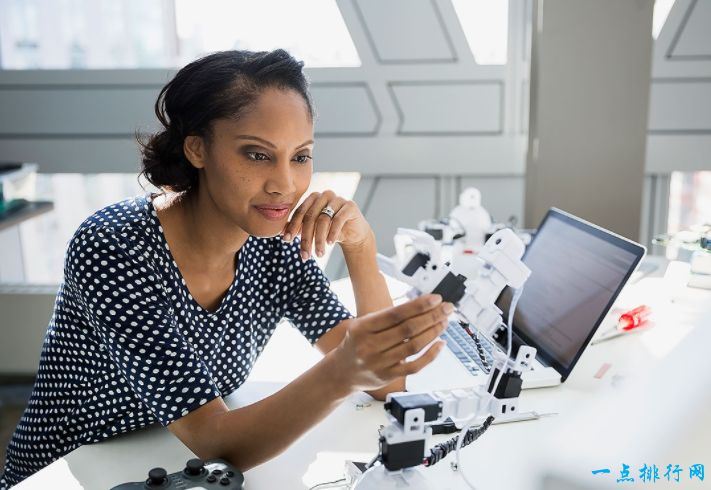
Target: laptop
<point>577,271</point>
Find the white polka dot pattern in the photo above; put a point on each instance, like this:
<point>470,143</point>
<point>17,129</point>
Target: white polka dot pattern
<point>128,346</point>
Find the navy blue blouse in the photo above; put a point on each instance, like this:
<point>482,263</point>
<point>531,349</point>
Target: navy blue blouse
<point>128,346</point>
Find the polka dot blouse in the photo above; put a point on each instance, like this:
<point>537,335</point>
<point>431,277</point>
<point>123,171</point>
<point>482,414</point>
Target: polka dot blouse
<point>127,345</point>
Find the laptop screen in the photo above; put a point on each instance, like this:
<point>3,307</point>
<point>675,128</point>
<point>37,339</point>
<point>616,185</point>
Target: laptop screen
<point>577,271</point>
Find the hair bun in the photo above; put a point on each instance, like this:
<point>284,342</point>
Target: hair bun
<point>220,85</point>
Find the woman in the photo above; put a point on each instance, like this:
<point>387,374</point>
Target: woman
<point>168,299</point>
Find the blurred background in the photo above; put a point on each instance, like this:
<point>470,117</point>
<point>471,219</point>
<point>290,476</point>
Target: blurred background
<point>600,108</point>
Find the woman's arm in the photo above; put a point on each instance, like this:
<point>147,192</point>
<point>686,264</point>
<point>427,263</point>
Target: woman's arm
<point>370,355</point>
<point>371,294</point>
<point>249,436</point>
<point>369,288</point>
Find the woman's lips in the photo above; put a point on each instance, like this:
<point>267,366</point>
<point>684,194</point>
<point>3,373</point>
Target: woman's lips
<point>273,213</point>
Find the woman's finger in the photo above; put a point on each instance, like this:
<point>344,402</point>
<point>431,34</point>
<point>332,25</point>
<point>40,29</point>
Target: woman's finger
<point>324,223</point>
<point>413,345</point>
<point>385,319</point>
<point>339,220</point>
<point>308,223</point>
<point>405,368</point>
<point>412,327</point>
<point>294,226</point>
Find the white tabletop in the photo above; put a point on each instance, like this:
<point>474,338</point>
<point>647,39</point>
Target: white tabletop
<point>351,431</point>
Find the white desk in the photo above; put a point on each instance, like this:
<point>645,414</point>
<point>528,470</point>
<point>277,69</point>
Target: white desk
<point>351,432</point>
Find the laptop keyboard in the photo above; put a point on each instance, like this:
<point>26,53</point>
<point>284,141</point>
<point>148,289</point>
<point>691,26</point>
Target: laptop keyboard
<point>465,349</point>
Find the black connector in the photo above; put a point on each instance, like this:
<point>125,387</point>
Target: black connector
<point>509,386</point>
<point>400,404</point>
<point>446,427</point>
<point>419,260</point>
<point>451,288</point>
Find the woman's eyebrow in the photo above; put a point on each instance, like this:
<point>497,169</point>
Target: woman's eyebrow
<point>265,142</point>
<point>309,142</point>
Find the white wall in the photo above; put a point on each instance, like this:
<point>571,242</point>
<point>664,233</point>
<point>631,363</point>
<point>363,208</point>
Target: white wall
<point>418,114</point>
<point>590,77</point>
<point>679,136</point>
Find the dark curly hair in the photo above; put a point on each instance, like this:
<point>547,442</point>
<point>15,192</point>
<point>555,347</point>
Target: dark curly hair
<point>220,85</point>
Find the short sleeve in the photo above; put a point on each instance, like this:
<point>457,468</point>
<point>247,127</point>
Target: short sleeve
<point>311,306</point>
<point>119,292</point>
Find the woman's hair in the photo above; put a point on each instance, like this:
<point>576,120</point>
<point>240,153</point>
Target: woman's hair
<point>220,85</point>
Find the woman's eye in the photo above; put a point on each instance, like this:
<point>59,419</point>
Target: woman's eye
<point>255,155</point>
<point>302,158</point>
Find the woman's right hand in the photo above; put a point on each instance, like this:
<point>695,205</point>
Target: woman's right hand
<point>375,347</point>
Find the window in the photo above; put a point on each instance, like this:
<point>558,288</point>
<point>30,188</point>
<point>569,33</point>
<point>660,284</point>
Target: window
<point>689,200</point>
<point>44,239</point>
<point>313,31</point>
<point>64,34</point>
<point>486,26</point>
<point>659,17</point>
<point>108,34</point>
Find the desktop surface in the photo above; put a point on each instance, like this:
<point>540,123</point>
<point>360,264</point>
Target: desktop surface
<point>351,431</point>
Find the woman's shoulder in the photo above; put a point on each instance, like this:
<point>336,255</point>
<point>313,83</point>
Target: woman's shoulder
<point>127,220</point>
<point>125,213</point>
<point>115,240</point>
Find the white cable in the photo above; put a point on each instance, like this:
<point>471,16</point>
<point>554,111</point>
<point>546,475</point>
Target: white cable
<point>468,423</point>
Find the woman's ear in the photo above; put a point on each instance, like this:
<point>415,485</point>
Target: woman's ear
<point>194,149</point>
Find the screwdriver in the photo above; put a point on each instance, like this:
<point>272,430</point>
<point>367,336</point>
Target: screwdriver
<point>630,320</point>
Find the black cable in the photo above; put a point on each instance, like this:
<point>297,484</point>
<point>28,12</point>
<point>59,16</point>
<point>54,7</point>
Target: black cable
<point>373,461</point>
<point>440,451</point>
<point>340,483</point>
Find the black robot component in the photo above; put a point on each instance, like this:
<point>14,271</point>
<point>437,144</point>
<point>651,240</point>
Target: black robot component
<point>451,288</point>
<point>419,260</point>
<point>400,404</point>
<point>509,386</point>
<point>401,455</point>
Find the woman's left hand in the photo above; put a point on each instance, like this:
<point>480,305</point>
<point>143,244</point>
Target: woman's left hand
<point>348,226</point>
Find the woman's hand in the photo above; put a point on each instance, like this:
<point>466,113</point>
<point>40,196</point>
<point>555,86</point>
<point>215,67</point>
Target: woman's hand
<point>348,226</point>
<point>375,347</point>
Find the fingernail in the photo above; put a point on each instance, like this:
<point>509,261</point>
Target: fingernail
<point>435,299</point>
<point>287,237</point>
<point>448,308</point>
<point>319,253</point>
<point>304,255</point>
<point>330,242</point>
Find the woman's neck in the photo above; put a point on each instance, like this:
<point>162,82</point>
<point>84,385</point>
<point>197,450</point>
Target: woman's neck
<point>199,231</point>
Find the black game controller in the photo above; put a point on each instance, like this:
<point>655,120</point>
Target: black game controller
<point>197,474</point>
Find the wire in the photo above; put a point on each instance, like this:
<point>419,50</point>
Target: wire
<point>440,451</point>
<point>330,484</point>
<point>373,461</point>
<point>509,346</point>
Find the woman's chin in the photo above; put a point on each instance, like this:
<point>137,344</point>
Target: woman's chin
<point>267,230</point>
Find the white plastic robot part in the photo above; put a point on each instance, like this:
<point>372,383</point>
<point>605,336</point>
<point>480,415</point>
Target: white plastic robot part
<point>470,198</point>
<point>472,217</point>
<point>504,251</point>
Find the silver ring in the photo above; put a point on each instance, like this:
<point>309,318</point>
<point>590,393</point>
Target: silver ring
<point>328,211</point>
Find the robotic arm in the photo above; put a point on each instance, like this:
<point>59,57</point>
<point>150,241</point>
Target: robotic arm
<point>472,292</point>
<point>420,264</point>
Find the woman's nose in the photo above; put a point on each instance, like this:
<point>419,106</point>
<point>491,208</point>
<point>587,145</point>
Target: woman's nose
<point>281,180</point>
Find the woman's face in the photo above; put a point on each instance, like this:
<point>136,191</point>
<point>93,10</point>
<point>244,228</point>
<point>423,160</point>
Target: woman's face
<point>261,163</point>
